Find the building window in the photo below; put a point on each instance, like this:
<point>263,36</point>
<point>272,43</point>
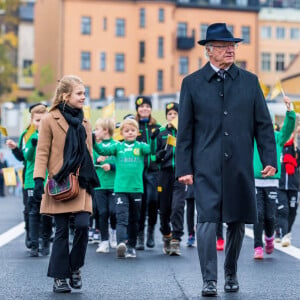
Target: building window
<point>265,61</point>
<point>120,62</point>
<point>183,65</point>
<point>214,2</point>
<point>119,92</point>
<point>103,61</point>
<point>102,92</point>
<point>292,57</point>
<point>160,52</point>
<point>181,29</point>
<point>266,32</point>
<point>104,24</point>
<point>141,84</point>
<point>85,25</point>
<point>87,92</point>
<point>161,15</point>
<point>280,33</point>
<point>279,62</point>
<point>142,18</point>
<point>142,52</point>
<point>246,34</point>
<point>231,28</point>
<point>120,27</point>
<point>85,60</point>
<point>242,2</point>
<point>295,34</point>
<point>160,80</point>
<point>203,28</point>
<point>27,68</point>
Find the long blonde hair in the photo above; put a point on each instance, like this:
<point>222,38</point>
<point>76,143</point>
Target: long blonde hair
<point>65,86</point>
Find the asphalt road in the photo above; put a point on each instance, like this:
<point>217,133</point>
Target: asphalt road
<point>152,275</point>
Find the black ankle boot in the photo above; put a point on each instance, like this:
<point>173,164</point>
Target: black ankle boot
<point>45,248</point>
<point>61,286</point>
<point>150,237</point>
<point>75,280</point>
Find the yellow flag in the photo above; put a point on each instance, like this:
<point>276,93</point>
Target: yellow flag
<point>30,131</point>
<point>20,174</point>
<point>3,131</point>
<point>174,123</point>
<point>87,111</point>
<point>264,88</point>
<point>117,135</point>
<point>9,176</point>
<point>108,111</point>
<point>296,105</point>
<point>171,140</point>
<point>276,90</point>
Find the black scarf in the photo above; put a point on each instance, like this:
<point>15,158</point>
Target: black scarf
<point>76,153</point>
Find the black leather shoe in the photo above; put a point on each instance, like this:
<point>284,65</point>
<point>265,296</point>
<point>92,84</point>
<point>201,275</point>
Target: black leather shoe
<point>75,280</point>
<point>61,286</point>
<point>150,238</point>
<point>231,284</point>
<point>209,289</point>
<point>140,241</point>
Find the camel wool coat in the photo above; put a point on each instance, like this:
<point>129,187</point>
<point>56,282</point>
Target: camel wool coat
<point>49,156</point>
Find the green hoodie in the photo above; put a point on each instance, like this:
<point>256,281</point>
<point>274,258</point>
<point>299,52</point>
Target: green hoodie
<point>106,178</point>
<point>281,138</point>
<point>129,164</point>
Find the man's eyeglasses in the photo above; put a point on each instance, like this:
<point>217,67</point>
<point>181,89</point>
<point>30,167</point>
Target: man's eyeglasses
<point>225,47</point>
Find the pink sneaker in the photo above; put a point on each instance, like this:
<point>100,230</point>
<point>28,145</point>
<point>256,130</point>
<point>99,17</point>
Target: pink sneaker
<point>269,246</point>
<point>258,253</point>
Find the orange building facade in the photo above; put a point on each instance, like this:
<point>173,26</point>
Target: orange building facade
<point>122,48</point>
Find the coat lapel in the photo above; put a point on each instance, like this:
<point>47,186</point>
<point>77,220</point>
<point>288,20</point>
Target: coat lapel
<point>61,121</point>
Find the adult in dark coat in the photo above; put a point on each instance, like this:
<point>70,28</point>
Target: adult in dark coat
<point>219,117</point>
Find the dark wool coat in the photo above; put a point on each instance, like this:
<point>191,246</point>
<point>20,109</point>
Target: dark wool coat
<point>218,121</point>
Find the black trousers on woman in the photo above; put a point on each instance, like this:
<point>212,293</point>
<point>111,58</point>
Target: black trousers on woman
<point>62,261</point>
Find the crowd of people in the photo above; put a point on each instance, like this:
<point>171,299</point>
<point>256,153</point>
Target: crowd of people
<point>201,159</point>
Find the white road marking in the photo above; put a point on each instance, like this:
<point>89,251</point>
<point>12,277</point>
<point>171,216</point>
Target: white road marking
<point>290,250</point>
<point>11,234</point>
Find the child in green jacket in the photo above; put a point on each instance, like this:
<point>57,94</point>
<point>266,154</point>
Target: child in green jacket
<point>128,185</point>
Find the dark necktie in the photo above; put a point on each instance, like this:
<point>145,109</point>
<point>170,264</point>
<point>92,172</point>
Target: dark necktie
<point>221,73</point>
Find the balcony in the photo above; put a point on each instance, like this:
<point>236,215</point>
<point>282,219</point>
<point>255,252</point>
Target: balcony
<point>185,42</point>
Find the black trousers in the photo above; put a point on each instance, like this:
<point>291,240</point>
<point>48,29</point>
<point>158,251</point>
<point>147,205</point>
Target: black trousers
<point>207,252</point>
<point>190,215</point>
<point>286,210</point>
<point>128,209</point>
<point>106,206</point>
<point>26,211</point>
<point>37,221</point>
<point>94,218</point>
<point>266,198</point>
<point>171,195</point>
<point>62,262</point>
<point>149,204</point>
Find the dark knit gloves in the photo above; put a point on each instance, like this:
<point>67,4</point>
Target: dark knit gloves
<point>38,190</point>
<point>154,133</point>
<point>160,155</point>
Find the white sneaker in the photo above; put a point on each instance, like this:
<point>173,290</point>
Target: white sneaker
<point>113,238</point>
<point>103,247</point>
<point>286,240</point>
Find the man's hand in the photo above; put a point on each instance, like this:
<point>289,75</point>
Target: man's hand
<point>187,179</point>
<point>287,103</point>
<point>268,171</point>
<point>11,144</point>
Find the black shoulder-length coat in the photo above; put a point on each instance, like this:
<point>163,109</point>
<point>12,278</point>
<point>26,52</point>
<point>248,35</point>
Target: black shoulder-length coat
<point>218,121</point>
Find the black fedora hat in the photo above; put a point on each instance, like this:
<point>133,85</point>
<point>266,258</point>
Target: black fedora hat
<point>218,32</point>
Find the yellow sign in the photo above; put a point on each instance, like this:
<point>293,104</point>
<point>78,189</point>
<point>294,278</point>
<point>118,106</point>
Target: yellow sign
<point>20,174</point>
<point>276,90</point>
<point>3,131</point>
<point>171,140</point>
<point>296,105</point>
<point>9,176</point>
<point>264,88</point>
<point>108,111</point>
<point>174,123</point>
<point>30,131</point>
<point>87,111</point>
<point>117,135</point>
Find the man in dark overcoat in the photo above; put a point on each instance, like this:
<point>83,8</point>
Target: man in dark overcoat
<point>221,111</point>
